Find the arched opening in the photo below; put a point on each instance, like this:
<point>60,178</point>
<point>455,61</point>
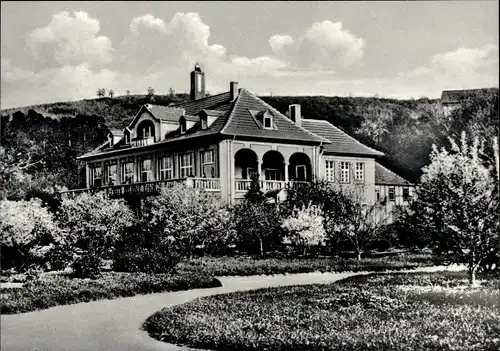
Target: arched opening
<point>245,164</point>
<point>299,168</point>
<point>146,129</point>
<point>273,166</point>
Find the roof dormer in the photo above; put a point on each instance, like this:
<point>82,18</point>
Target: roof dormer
<point>265,119</point>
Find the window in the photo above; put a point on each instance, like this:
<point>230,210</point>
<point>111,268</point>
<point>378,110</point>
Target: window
<point>268,122</point>
<point>111,172</point>
<point>127,137</point>
<point>203,122</point>
<point>166,168</point>
<point>344,172</point>
<point>377,193</point>
<point>392,193</point>
<point>207,157</point>
<point>186,165</point>
<point>249,172</point>
<point>272,174</point>
<point>300,172</point>
<point>183,126</point>
<point>330,170</point>
<point>127,172</point>
<point>406,193</point>
<point>146,170</point>
<point>359,176</point>
<point>96,175</point>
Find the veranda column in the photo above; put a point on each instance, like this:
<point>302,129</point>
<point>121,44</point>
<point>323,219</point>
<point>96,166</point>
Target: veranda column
<point>286,172</point>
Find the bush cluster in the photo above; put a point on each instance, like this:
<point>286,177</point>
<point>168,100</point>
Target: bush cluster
<point>389,312</point>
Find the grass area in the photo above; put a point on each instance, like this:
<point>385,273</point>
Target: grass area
<point>244,266</point>
<point>59,289</point>
<point>419,311</point>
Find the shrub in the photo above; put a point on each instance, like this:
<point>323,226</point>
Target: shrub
<point>28,232</point>
<point>188,217</point>
<point>87,266</point>
<point>305,227</point>
<point>93,224</point>
<point>148,260</point>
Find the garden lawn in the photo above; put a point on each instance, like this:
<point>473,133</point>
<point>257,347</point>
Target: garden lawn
<point>60,289</point>
<point>244,265</point>
<point>419,311</point>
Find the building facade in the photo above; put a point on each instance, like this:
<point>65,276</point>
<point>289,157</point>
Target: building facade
<point>215,143</point>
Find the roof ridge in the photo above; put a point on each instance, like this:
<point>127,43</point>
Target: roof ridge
<point>353,138</point>
<point>197,100</point>
<point>323,140</point>
<point>233,108</point>
<point>392,172</point>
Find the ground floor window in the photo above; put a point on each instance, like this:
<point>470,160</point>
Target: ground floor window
<point>166,166</point>
<point>96,175</point>
<point>127,172</point>
<point>330,170</point>
<point>208,164</point>
<point>146,170</point>
<point>301,172</point>
<point>272,174</point>
<point>186,162</point>
<point>111,173</point>
<point>377,193</point>
<point>406,193</point>
<point>392,193</point>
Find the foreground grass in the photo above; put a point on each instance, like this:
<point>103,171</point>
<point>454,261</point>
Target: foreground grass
<point>54,290</point>
<point>244,266</point>
<point>434,311</point>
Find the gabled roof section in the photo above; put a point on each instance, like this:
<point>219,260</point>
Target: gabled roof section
<point>166,113</point>
<point>455,96</point>
<point>384,176</point>
<point>340,142</point>
<point>116,132</point>
<point>242,123</point>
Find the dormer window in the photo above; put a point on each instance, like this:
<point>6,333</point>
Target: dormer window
<point>126,135</point>
<point>146,129</point>
<point>268,122</point>
<point>203,122</point>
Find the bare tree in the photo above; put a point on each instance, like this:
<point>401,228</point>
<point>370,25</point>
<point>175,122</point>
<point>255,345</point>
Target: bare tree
<point>128,92</point>
<point>111,93</point>
<point>171,92</point>
<point>151,91</point>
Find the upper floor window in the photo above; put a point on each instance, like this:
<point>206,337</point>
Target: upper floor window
<point>96,175</point>
<point>166,165</point>
<point>344,172</point>
<point>127,171</point>
<point>207,157</point>
<point>146,129</point>
<point>146,170</point>
<point>359,176</point>
<point>330,170</point>
<point>392,193</point>
<point>111,173</point>
<point>186,163</point>
<point>406,193</point>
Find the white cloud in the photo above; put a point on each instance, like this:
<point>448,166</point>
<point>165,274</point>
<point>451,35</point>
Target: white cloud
<point>323,45</point>
<point>70,40</point>
<point>148,21</point>
<point>466,60</point>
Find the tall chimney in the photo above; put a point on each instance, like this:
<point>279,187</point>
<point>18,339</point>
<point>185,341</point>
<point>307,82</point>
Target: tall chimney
<point>294,114</point>
<point>233,89</point>
<point>197,83</point>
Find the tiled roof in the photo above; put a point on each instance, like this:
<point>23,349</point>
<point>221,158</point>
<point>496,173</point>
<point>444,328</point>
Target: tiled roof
<point>341,142</point>
<point>384,176</point>
<point>166,113</point>
<point>241,123</point>
<point>454,96</point>
<point>215,102</point>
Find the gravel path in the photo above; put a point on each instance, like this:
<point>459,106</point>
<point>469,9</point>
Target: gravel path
<point>115,324</point>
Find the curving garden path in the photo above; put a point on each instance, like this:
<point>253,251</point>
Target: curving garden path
<point>115,324</point>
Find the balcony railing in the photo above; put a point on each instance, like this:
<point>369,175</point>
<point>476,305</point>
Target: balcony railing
<point>208,184</point>
<point>143,141</point>
<point>265,185</point>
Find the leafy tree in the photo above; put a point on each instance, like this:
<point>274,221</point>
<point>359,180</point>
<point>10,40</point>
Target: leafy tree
<point>189,217</point>
<point>101,92</point>
<point>28,233</point>
<point>93,224</point>
<point>151,92</point>
<point>458,203</point>
<point>128,92</point>
<point>111,93</point>
<point>171,92</point>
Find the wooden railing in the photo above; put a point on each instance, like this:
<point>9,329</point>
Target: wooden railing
<point>143,141</point>
<point>208,184</point>
<point>265,185</point>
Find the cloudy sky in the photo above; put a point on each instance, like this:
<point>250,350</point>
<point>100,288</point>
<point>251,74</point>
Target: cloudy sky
<point>58,51</point>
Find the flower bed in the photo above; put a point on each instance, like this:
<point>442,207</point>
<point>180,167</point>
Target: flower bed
<point>244,266</point>
<point>374,312</point>
<point>53,290</point>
